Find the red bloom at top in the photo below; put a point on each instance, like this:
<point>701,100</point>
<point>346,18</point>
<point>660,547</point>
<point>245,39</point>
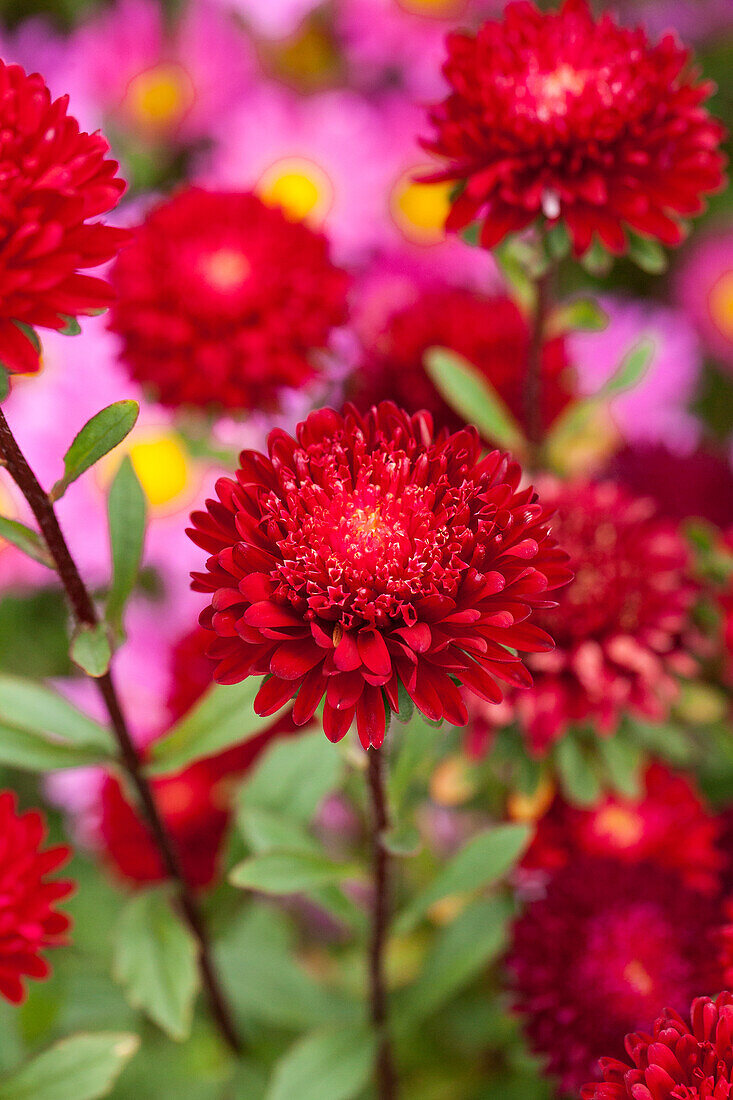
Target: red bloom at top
<point>222,300</point>
<point>53,181</point>
<point>490,332</point>
<point>368,554</point>
<point>29,922</point>
<point>619,634</point>
<point>584,122</point>
<point>677,1059</point>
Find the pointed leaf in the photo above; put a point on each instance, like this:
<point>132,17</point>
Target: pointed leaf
<point>473,397</point>
<point>294,872</point>
<point>580,315</point>
<point>126,507</point>
<point>647,254</point>
<point>32,707</point>
<point>71,326</point>
<point>630,370</point>
<point>325,1065</point>
<point>4,382</point>
<point>91,650</point>
<point>294,777</point>
<point>27,540</point>
<point>579,777</point>
<point>98,437</point>
<point>83,1067</point>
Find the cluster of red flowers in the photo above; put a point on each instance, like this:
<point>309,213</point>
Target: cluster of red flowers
<point>221,300</point>
<point>366,556</point>
<point>585,122</point>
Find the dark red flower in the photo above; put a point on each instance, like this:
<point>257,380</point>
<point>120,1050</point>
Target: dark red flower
<point>618,635</point>
<point>596,957</point>
<point>195,803</point>
<point>697,484</point>
<point>366,554</point>
<point>667,825</point>
<point>222,300</point>
<point>582,121</point>
<point>677,1060</point>
<point>53,180</point>
<point>29,921</point>
<point>490,332</point>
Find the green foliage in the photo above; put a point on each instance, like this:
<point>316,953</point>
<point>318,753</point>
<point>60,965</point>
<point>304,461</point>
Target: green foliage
<point>578,315</point>
<point>402,840</point>
<point>4,382</point>
<point>294,777</point>
<point>34,639</point>
<point>27,540</point>
<point>155,961</point>
<point>40,730</point>
<point>578,771</point>
<point>83,1067</point>
<point>473,397</point>
<point>126,509</point>
<point>284,872</point>
<point>98,437</point>
<point>325,1065</point>
<point>91,649</point>
<point>647,254</point>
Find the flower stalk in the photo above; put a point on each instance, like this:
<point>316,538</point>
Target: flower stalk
<point>85,614</point>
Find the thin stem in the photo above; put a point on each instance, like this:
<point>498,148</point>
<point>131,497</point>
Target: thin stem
<point>533,385</point>
<point>85,614</point>
<point>385,1072</point>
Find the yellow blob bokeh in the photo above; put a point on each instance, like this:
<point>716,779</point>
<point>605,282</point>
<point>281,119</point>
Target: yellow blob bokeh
<point>300,187</point>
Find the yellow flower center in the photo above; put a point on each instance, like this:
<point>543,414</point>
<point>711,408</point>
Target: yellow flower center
<point>621,825</point>
<point>160,462</point>
<point>720,302</point>
<point>225,270</point>
<point>160,96</point>
<point>420,209</point>
<point>638,977</point>
<point>300,187</point>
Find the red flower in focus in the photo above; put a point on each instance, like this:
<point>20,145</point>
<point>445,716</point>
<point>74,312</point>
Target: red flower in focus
<point>222,301</point>
<point>29,922</point>
<point>668,825</point>
<point>196,803</point>
<point>490,332</point>
<point>598,955</point>
<point>676,1060</point>
<point>366,554</point>
<point>618,635</point>
<point>54,180</point>
<point>584,122</point>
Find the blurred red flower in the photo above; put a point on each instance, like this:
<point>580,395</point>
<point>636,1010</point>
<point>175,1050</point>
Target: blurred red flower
<point>367,556</point>
<point>490,332</point>
<point>29,921</point>
<point>53,180</point>
<point>596,957</point>
<point>222,301</point>
<point>676,1059</point>
<point>582,121</point>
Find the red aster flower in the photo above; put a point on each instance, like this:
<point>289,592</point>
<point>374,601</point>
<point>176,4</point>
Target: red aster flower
<point>29,922</point>
<point>366,554</point>
<point>195,803</point>
<point>222,300</point>
<point>697,483</point>
<point>54,179</point>
<point>584,122</point>
<point>598,955</point>
<point>618,635</point>
<point>490,332</point>
<point>668,825</point>
<point>678,1060</point>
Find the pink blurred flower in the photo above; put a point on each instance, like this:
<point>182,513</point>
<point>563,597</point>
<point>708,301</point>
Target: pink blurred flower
<point>272,18</point>
<point>704,287</point>
<point>692,22</point>
<point>656,409</point>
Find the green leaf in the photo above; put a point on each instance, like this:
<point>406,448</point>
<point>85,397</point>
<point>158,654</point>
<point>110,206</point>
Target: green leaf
<point>460,952</point>
<point>98,437</point>
<point>630,370</point>
<point>155,961</point>
<point>294,777</point>
<point>71,327</point>
<point>669,742</point>
<point>405,704</point>
<point>580,315</point>
<point>402,840</point>
<point>597,261</point>
<point>473,397</point>
<point>30,334</point>
<point>83,1067</point>
<point>91,649</point>
<point>4,382</point>
<point>623,762</point>
<point>39,729</point>
<point>223,718</point>
<point>481,862</point>
<point>126,508</point>
<point>579,778</point>
<point>294,872</point>
<point>557,241</point>
<point>647,254</point>
<point>265,831</point>
<point>27,540</point>
<point>325,1065</point>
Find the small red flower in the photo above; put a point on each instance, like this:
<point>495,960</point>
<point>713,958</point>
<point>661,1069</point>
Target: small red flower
<point>598,954</point>
<point>619,634</point>
<point>53,181</point>
<point>677,1060</point>
<point>582,121</point>
<point>367,556</point>
<point>29,921</point>
<point>490,332</point>
<point>222,301</point>
<point>667,825</point>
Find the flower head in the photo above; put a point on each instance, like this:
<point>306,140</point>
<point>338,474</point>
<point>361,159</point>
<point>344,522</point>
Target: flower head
<point>676,1059</point>
<point>55,182</point>
<point>598,955</point>
<point>582,121</point>
<point>618,636</point>
<point>29,922</point>
<point>222,299</point>
<point>704,287</point>
<point>367,556</point>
